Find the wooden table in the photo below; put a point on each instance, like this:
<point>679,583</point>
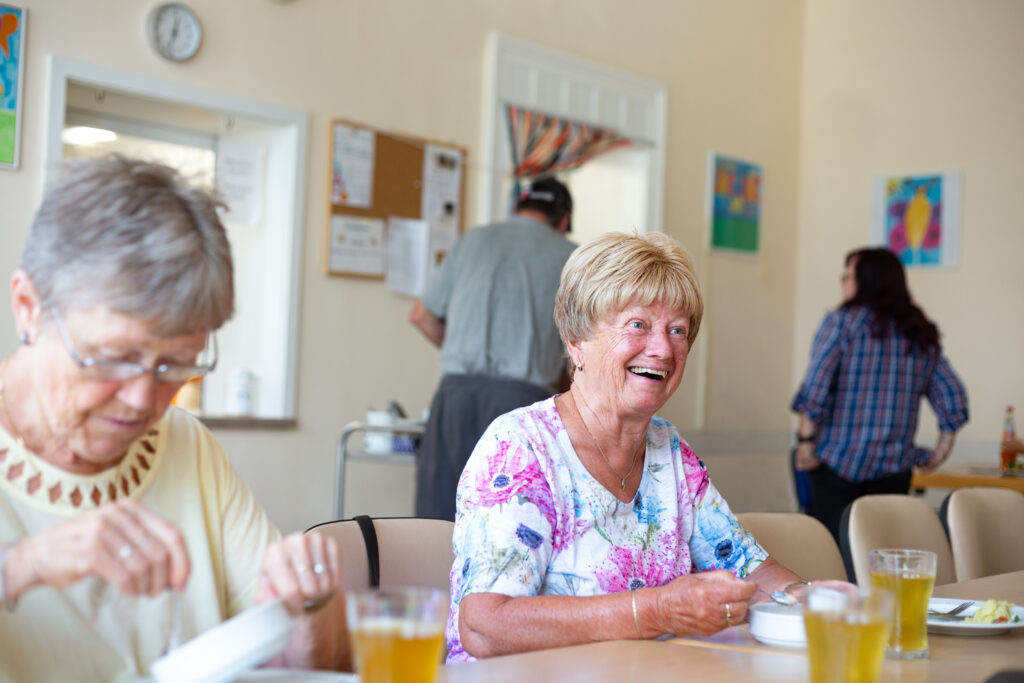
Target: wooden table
<point>973,475</point>
<point>734,655</point>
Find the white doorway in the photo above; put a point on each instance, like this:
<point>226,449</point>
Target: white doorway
<point>611,194</point>
<point>620,190</point>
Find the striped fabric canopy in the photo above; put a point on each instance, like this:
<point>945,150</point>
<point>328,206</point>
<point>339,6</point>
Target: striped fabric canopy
<point>547,144</point>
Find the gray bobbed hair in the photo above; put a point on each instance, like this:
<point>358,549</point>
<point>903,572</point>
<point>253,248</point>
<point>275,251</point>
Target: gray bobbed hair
<point>616,270</point>
<point>134,237</point>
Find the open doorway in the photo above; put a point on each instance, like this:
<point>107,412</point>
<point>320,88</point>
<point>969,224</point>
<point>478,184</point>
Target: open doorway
<point>620,190</point>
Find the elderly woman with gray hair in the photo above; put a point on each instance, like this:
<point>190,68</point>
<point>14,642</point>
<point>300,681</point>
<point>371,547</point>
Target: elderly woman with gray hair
<point>114,506</point>
<point>584,517</point>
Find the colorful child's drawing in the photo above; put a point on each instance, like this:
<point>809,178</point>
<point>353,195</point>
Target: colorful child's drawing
<point>919,218</point>
<point>735,205</point>
<point>12,58</point>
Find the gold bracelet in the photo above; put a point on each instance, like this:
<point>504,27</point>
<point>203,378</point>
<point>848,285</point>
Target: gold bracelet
<point>636,618</point>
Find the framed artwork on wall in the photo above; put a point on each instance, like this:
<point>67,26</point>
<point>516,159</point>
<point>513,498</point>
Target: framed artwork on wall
<point>918,217</point>
<point>734,204</point>
<point>12,74</point>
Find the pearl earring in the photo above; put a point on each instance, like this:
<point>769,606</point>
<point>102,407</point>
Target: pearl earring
<point>579,364</point>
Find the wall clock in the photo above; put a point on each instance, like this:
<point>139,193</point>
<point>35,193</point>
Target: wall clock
<point>174,31</point>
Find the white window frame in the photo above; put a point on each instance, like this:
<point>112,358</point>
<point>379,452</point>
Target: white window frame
<point>290,159</point>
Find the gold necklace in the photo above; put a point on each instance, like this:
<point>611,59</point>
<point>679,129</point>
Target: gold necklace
<point>632,465</point>
<point>7,412</point>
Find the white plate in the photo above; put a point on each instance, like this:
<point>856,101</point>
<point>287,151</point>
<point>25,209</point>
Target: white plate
<point>225,651</point>
<point>778,625</point>
<point>960,628</point>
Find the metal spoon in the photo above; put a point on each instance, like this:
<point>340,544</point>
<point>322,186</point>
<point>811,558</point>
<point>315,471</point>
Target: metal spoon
<point>780,597</point>
<point>174,638</point>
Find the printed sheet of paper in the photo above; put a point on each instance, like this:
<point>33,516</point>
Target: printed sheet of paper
<point>352,166</point>
<point>240,172</point>
<point>357,245</point>
<point>442,179</point>
<point>408,241</point>
<point>442,182</point>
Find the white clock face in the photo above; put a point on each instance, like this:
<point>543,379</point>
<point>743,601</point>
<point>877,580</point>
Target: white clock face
<point>174,31</point>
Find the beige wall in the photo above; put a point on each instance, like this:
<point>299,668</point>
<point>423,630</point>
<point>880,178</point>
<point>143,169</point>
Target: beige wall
<point>823,93</point>
<point>732,71</point>
<point>927,85</point>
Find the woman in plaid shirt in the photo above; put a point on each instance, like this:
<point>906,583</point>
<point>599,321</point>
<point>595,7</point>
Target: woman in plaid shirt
<point>873,360</point>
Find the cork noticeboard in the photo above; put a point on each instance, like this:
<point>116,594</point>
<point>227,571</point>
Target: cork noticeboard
<point>375,176</point>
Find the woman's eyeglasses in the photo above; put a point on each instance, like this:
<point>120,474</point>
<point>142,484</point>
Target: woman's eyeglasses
<point>122,371</point>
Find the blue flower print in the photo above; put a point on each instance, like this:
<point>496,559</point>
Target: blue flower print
<point>528,536</point>
<point>719,542</point>
<point>647,510</point>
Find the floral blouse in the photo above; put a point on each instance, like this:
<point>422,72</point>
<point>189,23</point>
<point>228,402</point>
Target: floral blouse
<point>530,519</point>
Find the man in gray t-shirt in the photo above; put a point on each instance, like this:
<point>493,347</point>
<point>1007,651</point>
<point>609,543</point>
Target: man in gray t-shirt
<point>490,310</point>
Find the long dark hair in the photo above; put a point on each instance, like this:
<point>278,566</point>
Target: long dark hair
<point>882,287</point>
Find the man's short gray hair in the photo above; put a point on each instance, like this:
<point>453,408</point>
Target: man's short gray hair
<point>615,270</point>
<point>135,237</point>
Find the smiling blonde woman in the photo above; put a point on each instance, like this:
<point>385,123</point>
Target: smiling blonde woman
<point>585,517</point>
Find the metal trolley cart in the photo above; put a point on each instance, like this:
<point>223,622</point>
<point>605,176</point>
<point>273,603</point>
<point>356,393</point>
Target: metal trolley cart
<point>409,427</point>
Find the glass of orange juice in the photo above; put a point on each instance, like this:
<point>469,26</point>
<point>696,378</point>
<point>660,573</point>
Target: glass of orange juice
<point>910,576</point>
<point>847,632</point>
<point>397,634</point>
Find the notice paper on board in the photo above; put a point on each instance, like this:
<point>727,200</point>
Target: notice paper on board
<point>352,166</point>
<point>408,243</point>
<point>357,245</point>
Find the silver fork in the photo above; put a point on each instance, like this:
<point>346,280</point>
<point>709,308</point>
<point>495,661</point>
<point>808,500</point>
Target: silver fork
<point>953,612</point>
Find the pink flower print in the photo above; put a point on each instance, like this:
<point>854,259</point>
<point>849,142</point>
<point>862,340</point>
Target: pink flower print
<point>515,471</point>
<point>696,472</point>
<point>508,472</point>
<point>628,568</point>
<point>551,420</point>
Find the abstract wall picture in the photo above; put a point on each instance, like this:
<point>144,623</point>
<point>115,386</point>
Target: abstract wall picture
<point>918,218</point>
<point>12,72</point>
<point>735,204</point>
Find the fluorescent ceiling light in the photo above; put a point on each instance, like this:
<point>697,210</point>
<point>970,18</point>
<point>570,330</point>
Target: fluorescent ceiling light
<point>84,135</point>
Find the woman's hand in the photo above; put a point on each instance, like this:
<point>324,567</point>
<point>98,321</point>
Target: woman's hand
<point>700,604</point>
<point>122,542</point>
<point>805,460</point>
<point>304,570</point>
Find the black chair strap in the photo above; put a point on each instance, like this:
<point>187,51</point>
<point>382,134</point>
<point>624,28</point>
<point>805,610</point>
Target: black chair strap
<point>372,548</point>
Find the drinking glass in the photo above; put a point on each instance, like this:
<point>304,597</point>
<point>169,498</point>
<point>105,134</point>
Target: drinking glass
<point>910,576</point>
<point>847,630</point>
<point>397,633</point>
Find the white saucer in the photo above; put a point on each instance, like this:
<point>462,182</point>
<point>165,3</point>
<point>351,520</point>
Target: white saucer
<point>779,625</point>
<point>225,651</point>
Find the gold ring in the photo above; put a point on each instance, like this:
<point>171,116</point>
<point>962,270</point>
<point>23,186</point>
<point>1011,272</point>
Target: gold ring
<point>728,615</point>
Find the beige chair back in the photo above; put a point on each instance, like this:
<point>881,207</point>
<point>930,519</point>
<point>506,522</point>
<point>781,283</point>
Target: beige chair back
<point>896,521</point>
<point>412,552</point>
<point>799,542</point>
<point>984,531</point>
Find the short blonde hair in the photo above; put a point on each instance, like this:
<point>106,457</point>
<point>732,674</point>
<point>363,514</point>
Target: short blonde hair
<point>609,273</point>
